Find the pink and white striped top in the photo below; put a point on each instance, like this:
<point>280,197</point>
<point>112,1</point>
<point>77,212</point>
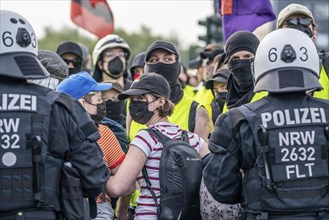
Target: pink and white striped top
<point>146,209</point>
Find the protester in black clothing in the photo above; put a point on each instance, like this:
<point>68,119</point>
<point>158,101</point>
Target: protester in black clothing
<point>218,85</point>
<point>137,66</point>
<point>240,49</point>
<point>72,55</point>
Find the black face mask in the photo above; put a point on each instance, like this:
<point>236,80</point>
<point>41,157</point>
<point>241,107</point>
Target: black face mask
<point>114,109</point>
<point>101,112</point>
<point>169,71</point>
<point>220,99</point>
<point>242,73</point>
<point>115,68</point>
<point>139,111</point>
<point>75,70</point>
<point>306,30</point>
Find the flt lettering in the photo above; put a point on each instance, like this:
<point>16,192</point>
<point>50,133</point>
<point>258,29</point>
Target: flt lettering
<point>294,171</point>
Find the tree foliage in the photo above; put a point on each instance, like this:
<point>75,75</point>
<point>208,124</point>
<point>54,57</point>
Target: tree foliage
<point>138,41</point>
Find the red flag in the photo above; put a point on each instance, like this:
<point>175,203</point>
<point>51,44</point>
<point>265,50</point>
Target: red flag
<point>93,15</point>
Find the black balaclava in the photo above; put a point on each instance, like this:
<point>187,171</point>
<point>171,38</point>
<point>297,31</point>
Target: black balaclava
<point>240,84</point>
<point>169,71</point>
<point>242,72</point>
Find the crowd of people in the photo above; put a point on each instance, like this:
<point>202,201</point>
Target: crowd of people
<point>77,139</point>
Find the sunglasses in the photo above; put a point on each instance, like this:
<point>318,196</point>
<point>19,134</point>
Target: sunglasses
<point>75,62</point>
<point>293,22</point>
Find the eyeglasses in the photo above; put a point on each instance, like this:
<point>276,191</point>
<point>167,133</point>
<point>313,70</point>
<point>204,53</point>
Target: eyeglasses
<point>293,22</point>
<point>75,62</point>
<point>112,54</point>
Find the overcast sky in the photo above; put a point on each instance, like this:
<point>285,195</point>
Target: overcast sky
<point>166,17</point>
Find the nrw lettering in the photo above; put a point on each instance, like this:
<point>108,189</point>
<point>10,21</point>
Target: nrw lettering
<point>9,125</point>
<point>296,138</point>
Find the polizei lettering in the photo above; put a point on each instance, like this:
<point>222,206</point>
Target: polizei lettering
<point>294,116</point>
<point>18,102</point>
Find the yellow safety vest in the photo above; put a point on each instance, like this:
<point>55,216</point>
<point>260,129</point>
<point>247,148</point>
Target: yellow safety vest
<point>189,90</point>
<point>324,81</point>
<point>180,116</point>
<point>205,97</point>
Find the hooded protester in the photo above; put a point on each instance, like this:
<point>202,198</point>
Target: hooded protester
<point>218,85</point>
<point>72,55</point>
<point>240,50</point>
<point>137,66</point>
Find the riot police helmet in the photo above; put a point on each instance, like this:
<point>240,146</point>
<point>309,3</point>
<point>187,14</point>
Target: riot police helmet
<point>19,48</point>
<point>286,61</point>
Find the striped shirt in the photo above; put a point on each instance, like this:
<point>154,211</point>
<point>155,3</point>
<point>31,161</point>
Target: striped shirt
<point>113,153</point>
<point>146,209</point>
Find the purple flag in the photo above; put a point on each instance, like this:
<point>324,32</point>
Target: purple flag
<point>244,15</point>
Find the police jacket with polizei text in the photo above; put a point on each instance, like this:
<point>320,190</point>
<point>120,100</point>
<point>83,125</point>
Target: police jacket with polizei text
<point>234,148</point>
<point>68,135</point>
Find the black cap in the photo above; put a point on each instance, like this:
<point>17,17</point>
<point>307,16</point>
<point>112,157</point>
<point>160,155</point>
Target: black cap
<point>69,47</point>
<point>220,76</point>
<point>241,40</point>
<point>211,54</point>
<point>195,63</point>
<point>139,60</point>
<point>160,44</point>
<point>148,83</point>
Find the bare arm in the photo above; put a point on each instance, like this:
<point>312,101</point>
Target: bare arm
<point>204,150</point>
<point>202,123</point>
<point>123,182</point>
<point>128,123</point>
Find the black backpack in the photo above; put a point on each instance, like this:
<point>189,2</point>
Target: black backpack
<point>180,178</point>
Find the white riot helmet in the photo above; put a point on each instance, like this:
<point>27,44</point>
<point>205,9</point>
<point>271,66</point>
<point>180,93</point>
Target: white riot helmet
<point>286,61</point>
<point>108,42</point>
<point>19,48</point>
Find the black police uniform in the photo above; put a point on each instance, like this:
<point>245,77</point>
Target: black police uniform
<point>41,130</point>
<point>272,157</point>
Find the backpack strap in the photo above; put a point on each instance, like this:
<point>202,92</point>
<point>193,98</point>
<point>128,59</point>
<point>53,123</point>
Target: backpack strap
<point>191,117</point>
<point>149,187</point>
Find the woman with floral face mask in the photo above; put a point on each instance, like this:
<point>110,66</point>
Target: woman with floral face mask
<point>149,105</point>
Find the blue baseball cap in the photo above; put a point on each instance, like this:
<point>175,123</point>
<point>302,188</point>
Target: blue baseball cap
<point>80,84</point>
